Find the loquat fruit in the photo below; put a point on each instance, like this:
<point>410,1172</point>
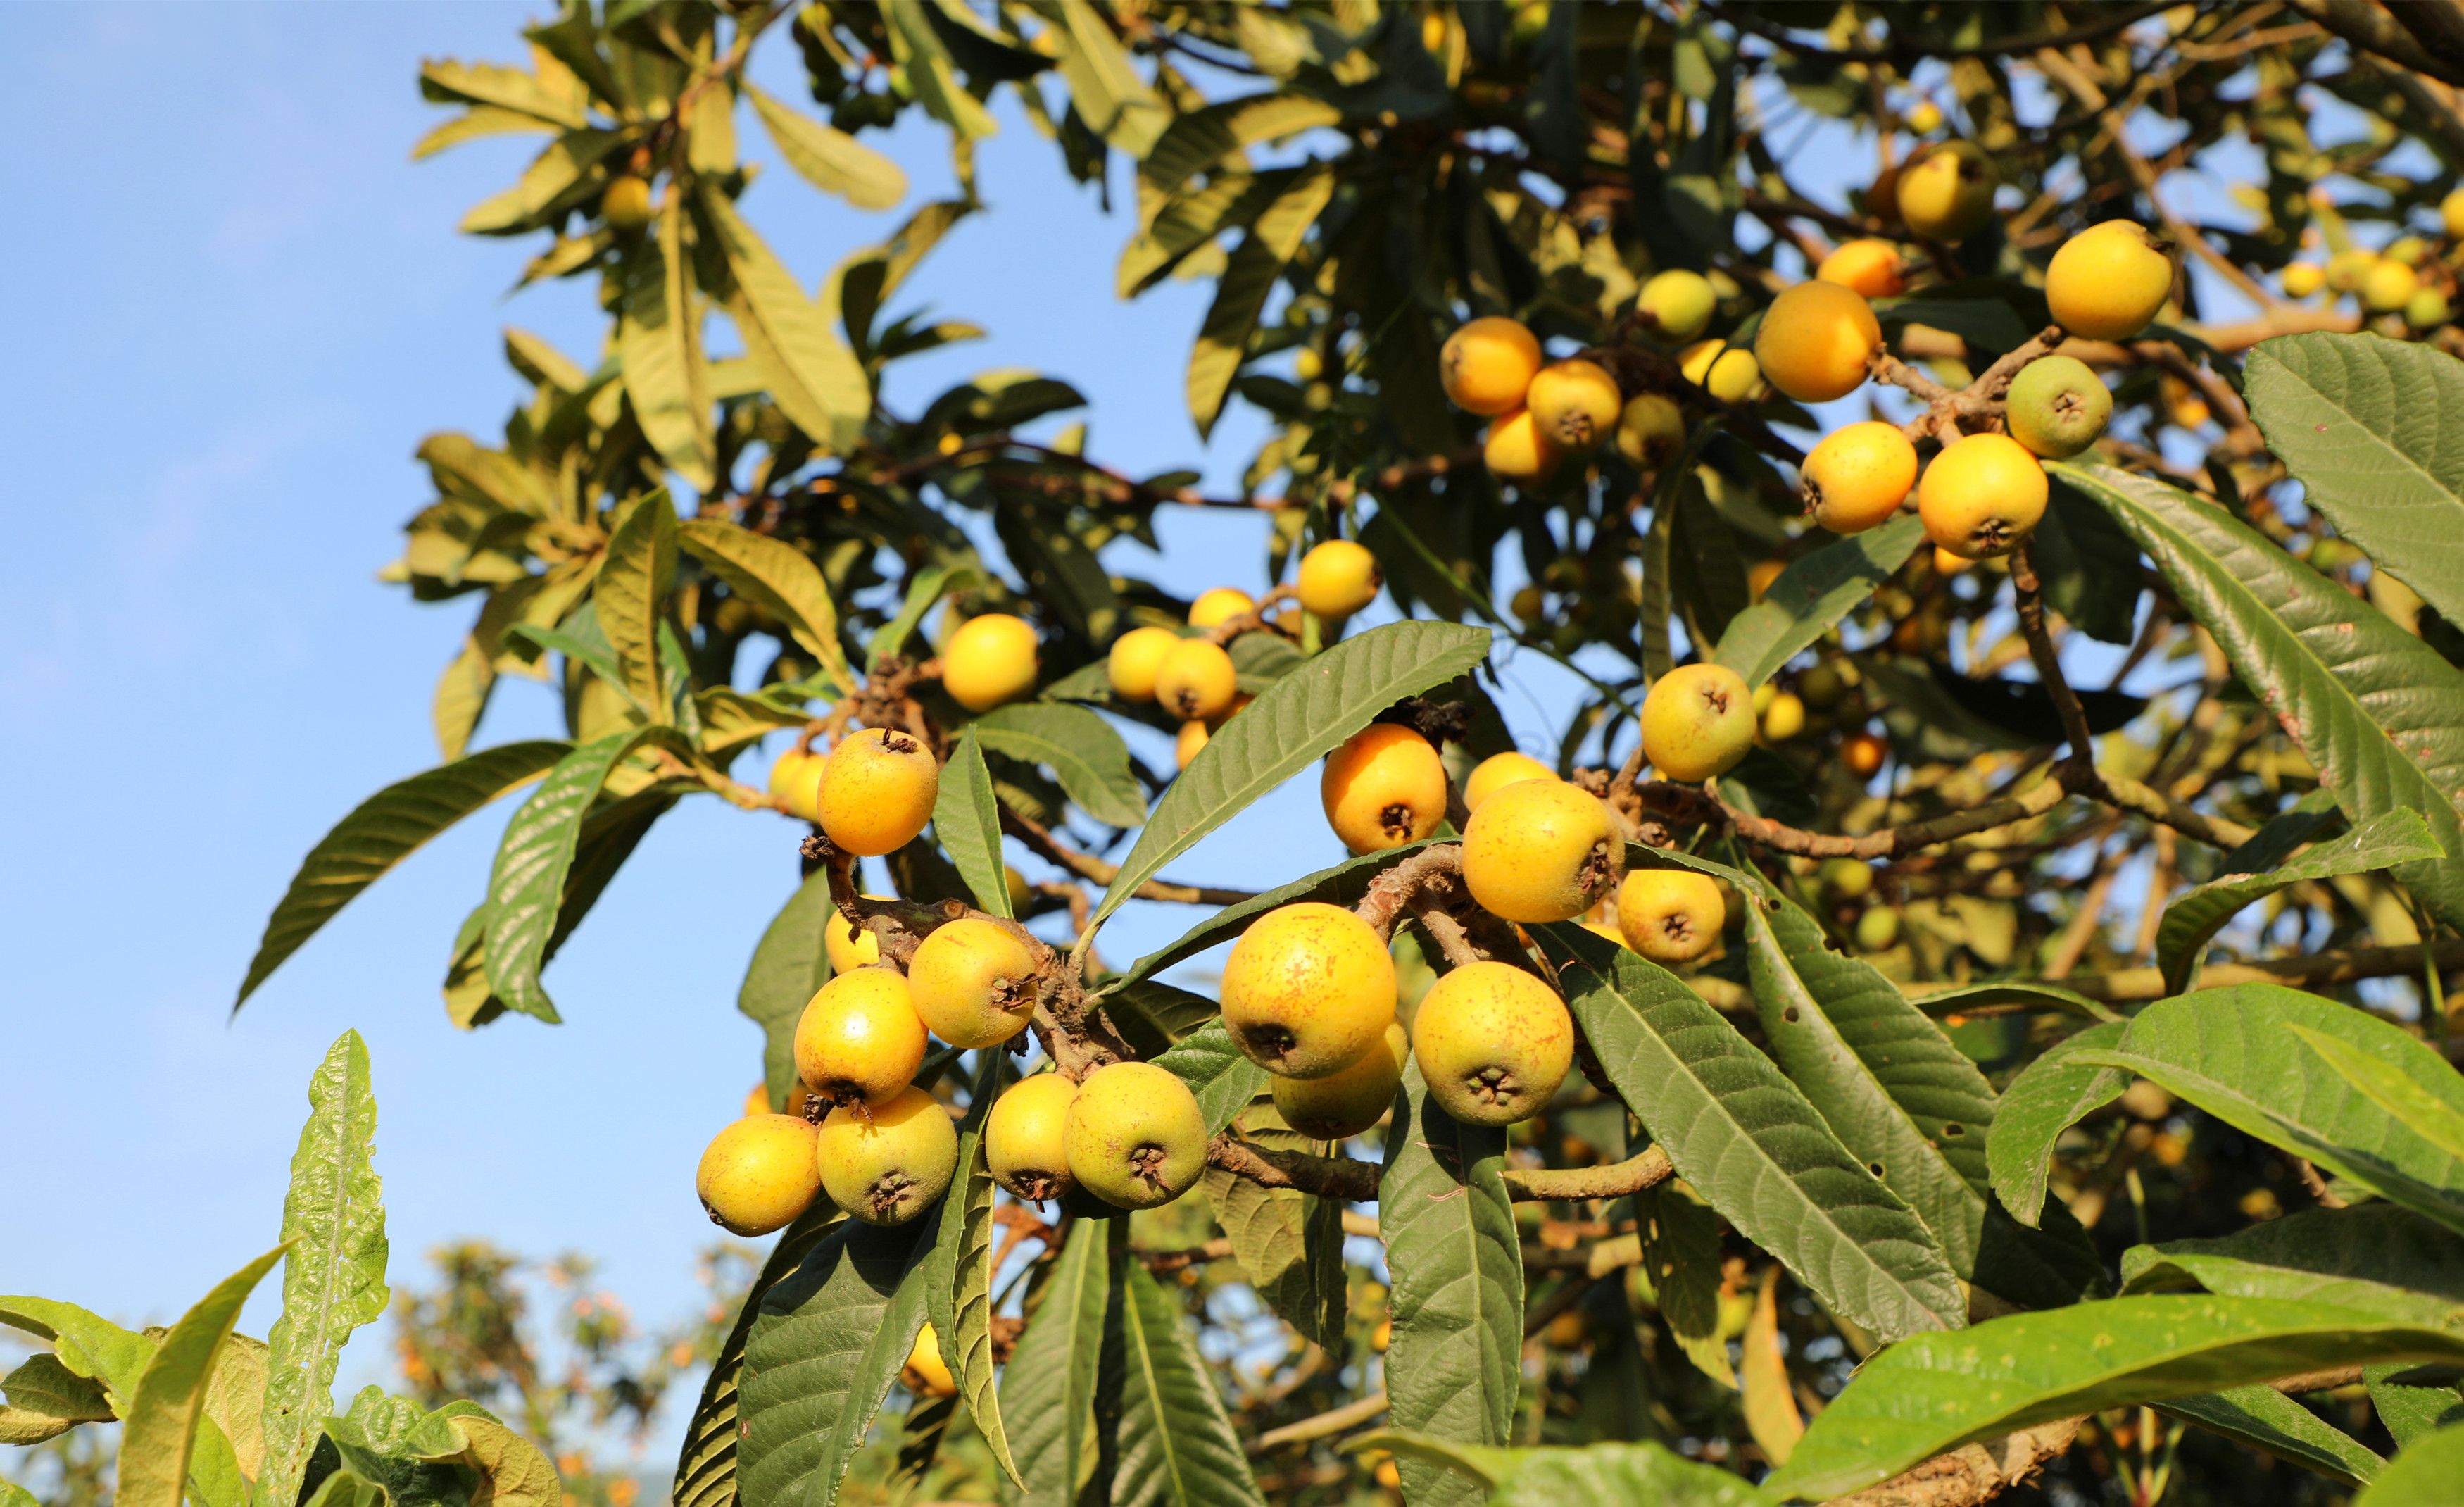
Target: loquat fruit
<point>846,945</point>
<point>1136,658</point>
<point>1946,192</point>
<point>1651,431</point>
<point>1515,450</point>
<point>1858,476</point>
<point>1383,787</point>
<point>795,783</point>
<point>1186,743</point>
<point>1349,1099</point>
<point>759,1174</point>
<point>926,1374</point>
<point>1877,929</point>
<point>1864,753</point>
<point>1197,681</point>
<point>1499,771</point>
<point>860,1038</point>
<point>989,660</point>
<point>1982,496</point>
<point>2387,286</point>
<point>2426,309</point>
<point>2058,406</point>
<point>1677,304</point>
<point>972,980</point>
<point>885,1164</point>
<point>1136,1138</point>
<point>1698,721</point>
<point>625,204</point>
<point>876,791</point>
<point>1760,575</point>
<point>2451,213</point>
<point>1338,578</point>
<point>1575,403</point>
<point>2108,281</point>
<point>1816,340</point>
<point>1220,605</point>
<point>2302,278</point>
<point>1493,1042</point>
<point>1727,372</point>
<point>1027,1137</point>
<point>1670,915</point>
<point>1783,719</point>
<point>1308,990</point>
<point>1487,365</point>
<point>1869,267</point>
<point>1541,850</point>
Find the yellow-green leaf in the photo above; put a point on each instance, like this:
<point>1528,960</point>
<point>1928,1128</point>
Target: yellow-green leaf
<point>162,1417</point>
<point>780,578</point>
<point>633,585</point>
<point>828,158</point>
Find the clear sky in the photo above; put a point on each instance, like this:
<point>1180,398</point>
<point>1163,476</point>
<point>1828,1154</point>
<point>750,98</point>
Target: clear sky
<point>238,305</point>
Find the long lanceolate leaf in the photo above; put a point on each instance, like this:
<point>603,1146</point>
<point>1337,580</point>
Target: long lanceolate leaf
<point>1240,294</point>
<point>1294,723</point>
<point>1811,595</point>
<point>781,578</point>
<point>789,965</point>
<point>1936,1392</point>
<point>2423,1475</point>
<point>967,821</point>
<point>1454,1364</point>
<point>815,380</point>
<point>171,1402</point>
<point>706,1469</point>
<point>2383,841</point>
<point>659,340</point>
<point>2375,709</point>
<point>527,885</point>
<point>1177,1446</point>
<point>959,1287</point>
<point>821,1356</point>
<point>2051,1093</point>
<point>2373,428</point>
<point>1049,1399</point>
<point>386,829</point>
<point>1082,749</point>
<point>1750,1143</point>
<point>333,1281</point>
<point>628,597</point>
<point>2232,1052</point>
<point>2373,1257</point>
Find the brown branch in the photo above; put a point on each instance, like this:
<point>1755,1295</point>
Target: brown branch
<point>1355,1182</point>
<point>1392,891</point>
<point>2127,985</point>
<point>1039,841</point>
<point>1892,841</point>
<point>1648,1168</point>
<point>2029,599</point>
<point>1973,1475</point>
<point>1429,908</point>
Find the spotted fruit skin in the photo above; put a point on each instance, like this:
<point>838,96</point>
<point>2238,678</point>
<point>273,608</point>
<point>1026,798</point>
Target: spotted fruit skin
<point>860,1037</point>
<point>1492,1042</point>
<point>1384,786</point>
<point>1487,364</point>
<point>2058,406</point>
<point>876,791</point>
<point>1196,683</point>
<point>757,1174</point>
<point>1497,772</point>
<point>1308,990</point>
<point>973,983</point>
<point>1670,915</point>
<point>1858,476</point>
<point>989,661</point>
<point>1338,578</point>
<point>887,1164</point>
<point>1345,1102</point>
<point>1698,721</point>
<point>1575,403</point>
<point>1677,304</point>
<point>1136,1136</point>
<point>1541,850</point>
<point>1027,1137</point>
<point>1516,449</point>
<point>1217,606</point>
<point>1869,267</point>
<point>1982,496</point>
<point>2108,281</point>
<point>1136,658</point>
<point>1816,340</point>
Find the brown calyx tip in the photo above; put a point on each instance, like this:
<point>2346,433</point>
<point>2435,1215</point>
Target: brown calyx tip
<point>1491,1085</point>
<point>1396,821</point>
<point>889,1192</point>
<point>898,742</point>
<point>1270,1042</point>
<point>1715,698</point>
<point>1146,1162</point>
<point>1678,927</point>
<point>1599,867</point>
<point>1037,1186</point>
<point>1811,491</point>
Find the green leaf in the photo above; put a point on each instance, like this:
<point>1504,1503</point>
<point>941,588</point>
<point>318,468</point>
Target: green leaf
<point>780,579</point>
<point>1679,1236</point>
<point>1559,1476</point>
<point>789,965</point>
<point>343,1489</point>
<point>2432,1115</point>
<point>1289,1244</point>
<point>632,592</point>
<point>1176,1447</point>
<point>2266,1419</point>
<point>333,1282</point>
<point>1343,884</point>
<point>966,820</point>
<point>1049,1399</point>
<point>1811,595</point>
<point>706,1469</point>
<point>170,1400</point>
<point>658,338</point>
<point>526,886</point>
<point>1899,1096</point>
<point>828,158</point>
<point>1218,135</point>
<point>2422,1474</point>
<point>924,587</point>
<point>930,73</point>
<point>88,1345</point>
<point>461,698</point>
<point>1080,750</point>
<point>1750,1143</point>
<point>2050,1095</point>
<point>1936,1392</point>
<point>1294,723</point>
<point>2373,1258</point>
<point>505,88</point>
<point>822,1356</point>
<point>512,1471</point>
<point>1240,292</point>
<point>2375,709</point>
<point>2383,841</point>
<point>2026,993</point>
<point>1105,90</point>
<point>2365,424</point>
<point>1454,1364</point>
<point>2413,1409</point>
<point>2231,1052</point>
<point>380,833</point>
<point>1224,1081</point>
<point>816,381</point>
<point>46,1400</point>
<point>961,1283</point>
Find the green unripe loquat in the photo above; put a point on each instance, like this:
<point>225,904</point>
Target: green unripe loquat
<point>1136,1138</point>
<point>885,1164</point>
<point>2058,406</point>
<point>1493,1042</point>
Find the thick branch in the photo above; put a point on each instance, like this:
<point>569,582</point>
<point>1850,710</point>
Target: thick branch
<point>1355,1182</point>
<point>1392,891</point>
<point>2031,604</point>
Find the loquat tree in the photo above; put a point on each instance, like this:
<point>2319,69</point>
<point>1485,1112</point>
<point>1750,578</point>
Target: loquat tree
<point>1954,1007</point>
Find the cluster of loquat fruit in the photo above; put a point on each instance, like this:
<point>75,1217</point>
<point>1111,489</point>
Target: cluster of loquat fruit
<point>2405,279</point>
